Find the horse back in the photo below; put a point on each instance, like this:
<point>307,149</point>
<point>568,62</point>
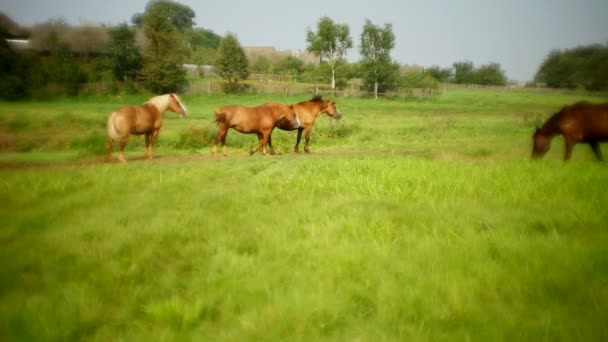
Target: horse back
<point>246,119</point>
<point>585,121</point>
<point>137,119</point>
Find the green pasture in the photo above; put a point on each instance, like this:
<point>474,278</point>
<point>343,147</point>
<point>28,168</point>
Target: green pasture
<point>415,219</point>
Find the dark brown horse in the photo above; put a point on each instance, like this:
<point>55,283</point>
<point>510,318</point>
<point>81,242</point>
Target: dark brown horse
<point>581,122</point>
<point>308,111</point>
<point>260,120</point>
<point>146,119</point>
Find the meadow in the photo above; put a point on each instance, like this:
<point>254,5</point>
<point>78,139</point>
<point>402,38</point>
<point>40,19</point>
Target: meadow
<point>416,219</point>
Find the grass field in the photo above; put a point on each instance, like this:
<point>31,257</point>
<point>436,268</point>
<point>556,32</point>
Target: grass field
<point>422,219</point>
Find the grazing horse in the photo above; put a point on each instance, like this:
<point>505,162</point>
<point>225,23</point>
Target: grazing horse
<point>581,122</point>
<point>260,120</point>
<point>308,111</point>
<point>146,119</point>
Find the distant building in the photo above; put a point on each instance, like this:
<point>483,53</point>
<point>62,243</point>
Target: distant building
<point>254,52</point>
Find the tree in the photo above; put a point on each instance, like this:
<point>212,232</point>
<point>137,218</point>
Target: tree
<point>231,63</point>
<point>203,45</point>
<point>330,42</point>
<point>125,59</point>
<point>181,16</point>
<point>490,74</point>
<point>440,74</point>
<point>376,46</point>
<point>164,54</point>
<point>584,66</point>
<point>463,72</point>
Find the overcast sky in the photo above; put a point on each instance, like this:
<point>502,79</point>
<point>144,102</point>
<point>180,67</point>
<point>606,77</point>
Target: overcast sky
<point>518,34</point>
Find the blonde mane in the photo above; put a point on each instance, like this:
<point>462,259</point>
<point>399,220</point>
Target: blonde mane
<point>161,102</point>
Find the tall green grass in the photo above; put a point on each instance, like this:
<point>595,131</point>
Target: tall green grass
<point>453,123</point>
<point>305,248</point>
<point>415,220</point>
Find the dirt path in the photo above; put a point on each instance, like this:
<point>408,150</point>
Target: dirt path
<point>16,165</point>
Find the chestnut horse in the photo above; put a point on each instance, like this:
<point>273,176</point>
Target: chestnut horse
<point>308,111</point>
<point>581,122</point>
<point>146,119</point>
<point>260,120</point>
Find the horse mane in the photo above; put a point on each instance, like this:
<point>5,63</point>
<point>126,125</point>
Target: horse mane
<point>317,98</point>
<point>161,102</point>
<point>552,124</point>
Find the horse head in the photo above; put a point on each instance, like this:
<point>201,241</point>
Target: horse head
<point>540,143</point>
<point>176,105</point>
<point>329,108</point>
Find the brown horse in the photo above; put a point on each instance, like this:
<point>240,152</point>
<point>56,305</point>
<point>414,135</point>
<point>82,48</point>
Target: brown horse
<point>581,122</point>
<point>260,120</point>
<point>308,111</point>
<point>145,119</point>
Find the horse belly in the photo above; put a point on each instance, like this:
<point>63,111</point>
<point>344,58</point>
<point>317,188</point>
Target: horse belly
<point>145,123</point>
<point>596,128</point>
<point>246,121</point>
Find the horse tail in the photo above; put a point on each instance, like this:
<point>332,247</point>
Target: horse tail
<point>220,116</point>
<point>113,131</point>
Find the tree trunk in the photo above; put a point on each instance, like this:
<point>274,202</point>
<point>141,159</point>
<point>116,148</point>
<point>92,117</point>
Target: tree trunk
<point>376,90</point>
<point>333,80</point>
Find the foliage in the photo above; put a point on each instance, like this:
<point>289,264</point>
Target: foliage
<point>464,72</point>
<point>164,54</point>
<point>379,72</point>
<point>201,38</point>
<point>330,41</point>
<point>16,70</point>
<point>125,58</point>
<point>489,74</point>
<point>231,63</point>
<point>418,79</point>
<point>181,16</point>
<point>440,74</point>
<point>203,44</point>
<point>584,67</point>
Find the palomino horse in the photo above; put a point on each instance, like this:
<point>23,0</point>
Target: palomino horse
<point>145,119</point>
<point>260,120</point>
<point>581,122</point>
<point>308,111</point>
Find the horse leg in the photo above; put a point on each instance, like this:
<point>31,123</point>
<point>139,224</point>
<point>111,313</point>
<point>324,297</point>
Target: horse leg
<point>220,137</point>
<point>123,143</point>
<point>568,152</point>
<point>297,148</point>
<point>148,154</point>
<point>270,145</point>
<point>265,139</point>
<point>109,149</point>
<point>595,146</point>
<point>152,141</point>
<point>307,141</point>
<point>260,144</point>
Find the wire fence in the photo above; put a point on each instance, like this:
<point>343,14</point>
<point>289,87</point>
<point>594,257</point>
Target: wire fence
<point>287,88</point>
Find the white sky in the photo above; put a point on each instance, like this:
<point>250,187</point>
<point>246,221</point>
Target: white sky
<point>518,34</point>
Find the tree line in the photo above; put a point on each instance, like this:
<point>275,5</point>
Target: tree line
<point>152,50</point>
<point>583,67</point>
